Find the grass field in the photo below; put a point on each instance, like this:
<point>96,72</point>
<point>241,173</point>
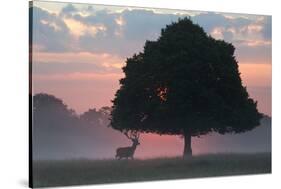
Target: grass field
<point>81,172</point>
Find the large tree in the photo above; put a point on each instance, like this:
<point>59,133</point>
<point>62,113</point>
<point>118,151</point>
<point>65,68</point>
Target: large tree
<point>184,83</point>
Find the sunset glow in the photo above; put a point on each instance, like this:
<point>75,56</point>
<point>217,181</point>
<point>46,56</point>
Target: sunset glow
<point>162,93</point>
<point>258,75</point>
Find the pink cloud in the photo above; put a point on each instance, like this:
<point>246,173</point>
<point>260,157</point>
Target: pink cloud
<point>77,57</point>
<point>77,76</point>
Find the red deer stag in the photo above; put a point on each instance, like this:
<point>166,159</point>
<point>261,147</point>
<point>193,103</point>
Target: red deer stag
<point>129,151</point>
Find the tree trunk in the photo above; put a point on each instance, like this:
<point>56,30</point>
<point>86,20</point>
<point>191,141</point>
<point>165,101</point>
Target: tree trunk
<point>187,152</point>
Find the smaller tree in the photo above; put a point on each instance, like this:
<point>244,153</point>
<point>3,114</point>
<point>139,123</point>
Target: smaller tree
<point>92,116</point>
<point>97,117</point>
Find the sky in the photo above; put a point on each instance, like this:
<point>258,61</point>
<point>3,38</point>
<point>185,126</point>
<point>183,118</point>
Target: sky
<point>79,49</point>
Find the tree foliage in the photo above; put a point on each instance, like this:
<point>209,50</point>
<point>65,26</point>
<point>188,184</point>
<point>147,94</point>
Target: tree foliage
<point>185,81</point>
<point>97,117</point>
<point>49,108</point>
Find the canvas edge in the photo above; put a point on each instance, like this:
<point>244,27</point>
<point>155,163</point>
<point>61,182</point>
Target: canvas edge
<point>30,118</point>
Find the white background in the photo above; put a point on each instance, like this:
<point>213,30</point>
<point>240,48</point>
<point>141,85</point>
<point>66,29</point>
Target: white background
<point>14,93</point>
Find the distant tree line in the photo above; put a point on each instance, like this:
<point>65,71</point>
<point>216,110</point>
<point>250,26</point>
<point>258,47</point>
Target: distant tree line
<point>53,110</point>
<point>59,132</point>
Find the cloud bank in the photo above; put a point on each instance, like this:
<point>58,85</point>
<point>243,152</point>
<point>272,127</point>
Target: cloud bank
<point>123,33</point>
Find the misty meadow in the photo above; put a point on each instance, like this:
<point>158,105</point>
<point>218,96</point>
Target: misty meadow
<point>159,94</point>
<point>60,133</point>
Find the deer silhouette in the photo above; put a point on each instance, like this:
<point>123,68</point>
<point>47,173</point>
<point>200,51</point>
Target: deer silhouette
<point>128,152</point>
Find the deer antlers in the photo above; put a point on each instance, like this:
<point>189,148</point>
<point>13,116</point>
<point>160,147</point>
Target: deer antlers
<point>132,135</point>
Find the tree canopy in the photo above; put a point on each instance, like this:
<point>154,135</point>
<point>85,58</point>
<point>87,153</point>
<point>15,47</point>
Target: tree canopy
<point>184,82</point>
<point>97,117</point>
<point>46,106</point>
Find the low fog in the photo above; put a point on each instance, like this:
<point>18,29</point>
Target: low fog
<point>59,133</point>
